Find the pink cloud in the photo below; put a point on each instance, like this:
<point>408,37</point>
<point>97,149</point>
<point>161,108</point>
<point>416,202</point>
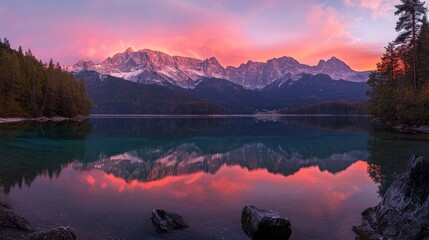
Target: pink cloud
<point>378,8</point>
<point>193,29</point>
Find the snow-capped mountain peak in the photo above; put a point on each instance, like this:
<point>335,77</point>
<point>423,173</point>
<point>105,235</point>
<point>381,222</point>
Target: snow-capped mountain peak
<point>155,67</point>
<point>129,50</point>
<point>334,63</point>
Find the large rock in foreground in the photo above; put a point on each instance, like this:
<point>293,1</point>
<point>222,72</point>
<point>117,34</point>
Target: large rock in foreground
<point>59,233</point>
<point>403,212</point>
<point>165,221</point>
<point>261,224</point>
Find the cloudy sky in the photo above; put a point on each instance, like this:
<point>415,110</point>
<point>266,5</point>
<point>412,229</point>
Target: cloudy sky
<point>233,31</point>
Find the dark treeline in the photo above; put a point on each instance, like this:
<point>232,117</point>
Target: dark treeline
<point>29,88</point>
<point>400,85</point>
<point>330,107</point>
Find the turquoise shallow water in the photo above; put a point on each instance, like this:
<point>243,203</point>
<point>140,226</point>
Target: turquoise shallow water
<point>105,175</point>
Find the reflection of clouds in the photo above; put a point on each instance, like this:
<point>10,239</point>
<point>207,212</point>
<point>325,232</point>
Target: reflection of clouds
<point>313,199</point>
<point>233,183</point>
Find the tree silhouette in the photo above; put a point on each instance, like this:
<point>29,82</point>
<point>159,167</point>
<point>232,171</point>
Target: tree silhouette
<point>410,14</point>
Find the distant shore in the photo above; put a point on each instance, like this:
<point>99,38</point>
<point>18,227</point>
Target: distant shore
<point>10,120</point>
<point>254,115</point>
<point>41,119</point>
<point>251,115</point>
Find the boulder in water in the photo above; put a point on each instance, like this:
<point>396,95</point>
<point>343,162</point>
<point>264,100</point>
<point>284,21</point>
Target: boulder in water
<point>261,224</point>
<point>165,221</point>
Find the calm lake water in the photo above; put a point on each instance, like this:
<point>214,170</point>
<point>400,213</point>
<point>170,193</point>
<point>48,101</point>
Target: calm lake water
<point>104,176</point>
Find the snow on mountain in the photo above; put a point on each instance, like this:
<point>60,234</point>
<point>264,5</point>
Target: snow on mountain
<point>154,67</point>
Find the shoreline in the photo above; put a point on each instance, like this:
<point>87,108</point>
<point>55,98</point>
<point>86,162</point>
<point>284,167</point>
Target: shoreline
<point>256,115</point>
<point>41,119</point>
<point>11,120</point>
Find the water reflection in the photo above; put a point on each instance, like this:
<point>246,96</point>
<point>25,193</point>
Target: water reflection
<point>28,150</point>
<point>148,149</point>
<point>149,164</point>
<point>152,149</point>
<point>319,171</point>
<point>320,204</point>
<point>389,153</point>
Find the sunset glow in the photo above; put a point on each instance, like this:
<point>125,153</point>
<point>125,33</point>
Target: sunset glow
<point>232,31</point>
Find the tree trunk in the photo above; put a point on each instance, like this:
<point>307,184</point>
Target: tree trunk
<point>413,14</point>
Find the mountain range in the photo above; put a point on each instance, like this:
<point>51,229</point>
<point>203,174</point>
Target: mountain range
<point>154,67</point>
<point>152,82</point>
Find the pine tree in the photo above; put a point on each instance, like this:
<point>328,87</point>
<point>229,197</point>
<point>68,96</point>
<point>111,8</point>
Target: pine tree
<point>423,51</point>
<point>410,14</point>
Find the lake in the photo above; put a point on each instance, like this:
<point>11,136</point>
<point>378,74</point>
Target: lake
<point>103,176</point>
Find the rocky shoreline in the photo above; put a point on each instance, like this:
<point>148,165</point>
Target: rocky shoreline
<point>403,213</point>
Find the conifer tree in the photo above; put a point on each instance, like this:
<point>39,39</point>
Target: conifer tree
<point>408,25</point>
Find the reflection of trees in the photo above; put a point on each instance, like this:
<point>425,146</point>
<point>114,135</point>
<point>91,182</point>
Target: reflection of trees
<point>225,134</point>
<point>389,153</point>
<point>339,123</point>
<point>30,149</point>
<point>167,127</point>
<point>177,127</point>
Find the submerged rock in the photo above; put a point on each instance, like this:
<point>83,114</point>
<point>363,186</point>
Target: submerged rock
<point>265,224</point>
<point>165,221</point>
<point>8,219</point>
<point>403,213</point>
<point>59,233</point>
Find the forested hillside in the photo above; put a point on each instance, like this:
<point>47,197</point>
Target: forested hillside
<point>113,95</point>
<point>30,88</point>
<point>330,107</point>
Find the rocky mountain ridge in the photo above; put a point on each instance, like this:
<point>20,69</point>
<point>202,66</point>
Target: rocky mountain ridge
<point>155,67</point>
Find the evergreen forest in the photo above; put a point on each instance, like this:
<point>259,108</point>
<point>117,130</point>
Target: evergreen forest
<point>30,88</point>
<point>400,86</point>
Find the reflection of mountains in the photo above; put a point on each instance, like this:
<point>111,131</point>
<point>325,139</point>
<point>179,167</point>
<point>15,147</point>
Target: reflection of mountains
<point>31,149</point>
<point>155,164</point>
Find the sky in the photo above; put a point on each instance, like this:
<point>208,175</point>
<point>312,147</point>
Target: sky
<point>233,31</point>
